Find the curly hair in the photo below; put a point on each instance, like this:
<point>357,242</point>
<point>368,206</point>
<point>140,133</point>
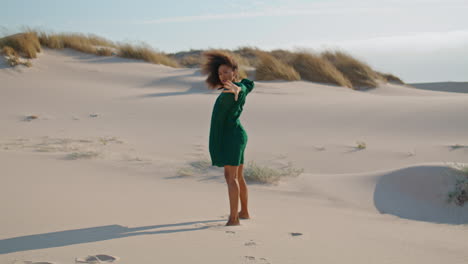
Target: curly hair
<point>212,60</point>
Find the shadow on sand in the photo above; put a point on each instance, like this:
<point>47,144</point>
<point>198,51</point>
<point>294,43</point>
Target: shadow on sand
<point>86,235</point>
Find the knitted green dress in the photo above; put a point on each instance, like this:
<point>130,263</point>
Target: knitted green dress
<point>228,138</point>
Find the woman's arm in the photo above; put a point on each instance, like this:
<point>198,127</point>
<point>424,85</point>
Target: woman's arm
<point>234,89</point>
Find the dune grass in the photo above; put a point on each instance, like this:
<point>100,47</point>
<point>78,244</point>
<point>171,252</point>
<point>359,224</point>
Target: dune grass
<point>12,57</point>
<point>29,43</point>
<point>284,56</point>
<point>329,67</point>
<point>249,55</point>
<point>81,42</point>
<point>357,72</point>
<point>270,68</point>
<point>253,173</point>
<point>146,53</point>
<point>388,77</point>
<point>191,61</point>
<point>25,44</point>
<point>314,68</point>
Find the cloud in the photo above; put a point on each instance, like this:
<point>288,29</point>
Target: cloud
<point>414,41</point>
<point>298,8</point>
<point>271,12</point>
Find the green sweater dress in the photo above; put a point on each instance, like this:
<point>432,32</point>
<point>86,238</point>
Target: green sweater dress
<point>228,138</point>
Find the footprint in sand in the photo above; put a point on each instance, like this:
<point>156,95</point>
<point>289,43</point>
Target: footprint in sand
<point>250,243</point>
<point>210,225</point>
<point>295,234</point>
<point>100,258</point>
<point>252,260</point>
<point>32,262</point>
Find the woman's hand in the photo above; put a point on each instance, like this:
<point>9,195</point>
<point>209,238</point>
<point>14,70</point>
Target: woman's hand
<point>232,89</point>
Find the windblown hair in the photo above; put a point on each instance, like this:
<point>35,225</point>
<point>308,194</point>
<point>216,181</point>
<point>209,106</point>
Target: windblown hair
<point>212,60</point>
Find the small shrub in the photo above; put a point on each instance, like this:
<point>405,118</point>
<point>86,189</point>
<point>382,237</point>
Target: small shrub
<point>12,58</point>
<point>201,165</point>
<point>195,168</point>
<point>82,155</point>
<point>186,171</point>
<point>459,194</point>
<point>458,146</point>
<point>361,144</point>
<point>263,174</point>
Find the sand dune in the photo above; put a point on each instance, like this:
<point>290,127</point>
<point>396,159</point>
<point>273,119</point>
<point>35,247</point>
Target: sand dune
<point>454,87</point>
<point>96,173</point>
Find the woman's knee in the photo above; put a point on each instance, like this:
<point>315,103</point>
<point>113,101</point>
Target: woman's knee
<point>230,173</point>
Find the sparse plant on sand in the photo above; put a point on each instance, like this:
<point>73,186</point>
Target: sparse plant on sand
<point>361,144</point>
<point>13,59</point>
<point>195,167</point>
<point>82,155</point>
<point>186,171</point>
<point>264,174</point>
<point>459,194</point>
<point>458,146</point>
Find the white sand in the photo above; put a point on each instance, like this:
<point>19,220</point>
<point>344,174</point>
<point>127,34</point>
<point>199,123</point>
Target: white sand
<point>383,204</point>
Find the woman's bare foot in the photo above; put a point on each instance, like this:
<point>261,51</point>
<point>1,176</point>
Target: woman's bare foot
<point>233,222</point>
<point>244,215</point>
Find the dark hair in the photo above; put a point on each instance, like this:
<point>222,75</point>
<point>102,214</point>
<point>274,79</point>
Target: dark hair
<point>212,60</point>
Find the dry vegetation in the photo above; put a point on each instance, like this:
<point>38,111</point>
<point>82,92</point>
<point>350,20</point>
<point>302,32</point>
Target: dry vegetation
<point>314,68</point>
<point>146,53</point>
<point>330,67</point>
<point>270,68</point>
<point>28,44</point>
<point>357,72</point>
<point>459,194</point>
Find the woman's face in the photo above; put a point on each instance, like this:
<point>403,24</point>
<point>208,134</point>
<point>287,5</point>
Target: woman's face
<point>226,73</point>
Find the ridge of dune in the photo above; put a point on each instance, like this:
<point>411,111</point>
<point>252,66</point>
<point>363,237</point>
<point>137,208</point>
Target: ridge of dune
<point>453,87</point>
<point>417,192</point>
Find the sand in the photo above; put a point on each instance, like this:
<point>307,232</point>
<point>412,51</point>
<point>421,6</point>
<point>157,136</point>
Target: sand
<point>97,172</point>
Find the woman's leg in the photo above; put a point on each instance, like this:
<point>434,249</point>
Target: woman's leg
<point>230,173</point>
<point>244,212</point>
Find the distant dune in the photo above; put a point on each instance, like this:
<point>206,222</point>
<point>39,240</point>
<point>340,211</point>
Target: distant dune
<point>454,87</point>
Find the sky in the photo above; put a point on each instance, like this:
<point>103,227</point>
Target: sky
<point>417,40</point>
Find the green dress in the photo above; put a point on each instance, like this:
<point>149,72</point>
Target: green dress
<point>228,138</point>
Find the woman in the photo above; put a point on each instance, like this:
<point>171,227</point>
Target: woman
<point>228,138</point>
